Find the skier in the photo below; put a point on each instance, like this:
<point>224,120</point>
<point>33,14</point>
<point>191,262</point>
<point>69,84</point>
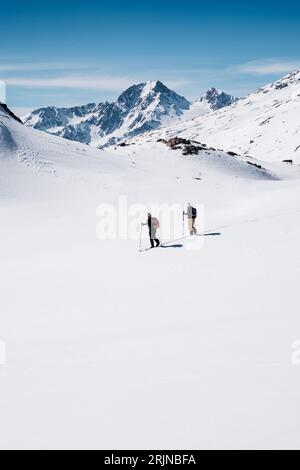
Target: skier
<point>153,225</point>
<point>192,215</point>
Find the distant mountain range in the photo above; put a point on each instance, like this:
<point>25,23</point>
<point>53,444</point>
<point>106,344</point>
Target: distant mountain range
<point>52,155</point>
<point>264,125</point>
<point>141,108</point>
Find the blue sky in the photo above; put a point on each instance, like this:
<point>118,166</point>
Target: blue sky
<point>67,53</point>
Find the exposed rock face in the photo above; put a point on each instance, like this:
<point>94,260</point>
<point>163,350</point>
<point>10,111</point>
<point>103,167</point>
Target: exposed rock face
<point>139,109</point>
<point>175,141</point>
<point>9,112</point>
<point>142,108</point>
<point>217,99</point>
<point>188,147</point>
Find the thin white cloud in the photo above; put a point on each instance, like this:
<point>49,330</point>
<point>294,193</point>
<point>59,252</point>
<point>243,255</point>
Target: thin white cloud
<point>28,67</point>
<point>91,83</point>
<point>267,67</point>
<point>104,83</point>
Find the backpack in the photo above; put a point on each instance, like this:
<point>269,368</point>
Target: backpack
<point>155,222</point>
<point>194,212</point>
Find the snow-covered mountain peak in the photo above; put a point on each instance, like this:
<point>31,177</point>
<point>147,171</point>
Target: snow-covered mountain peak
<point>142,107</point>
<point>217,99</point>
<point>151,92</point>
<point>290,80</point>
<point>53,155</point>
<point>73,290</point>
<point>154,86</point>
<point>263,125</point>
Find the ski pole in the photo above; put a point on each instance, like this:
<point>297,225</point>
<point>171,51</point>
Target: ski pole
<point>183,223</point>
<point>140,246</point>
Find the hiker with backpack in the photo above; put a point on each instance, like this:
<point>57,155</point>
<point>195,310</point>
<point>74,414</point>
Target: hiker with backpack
<point>191,215</point>
<point>153,225</point>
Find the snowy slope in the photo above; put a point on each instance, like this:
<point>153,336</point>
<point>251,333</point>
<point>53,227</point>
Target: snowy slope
<point>141,108</point>
<point>52,154</point>
<point>28,148</point>
<point>264,125</point>
<point>103,342</point>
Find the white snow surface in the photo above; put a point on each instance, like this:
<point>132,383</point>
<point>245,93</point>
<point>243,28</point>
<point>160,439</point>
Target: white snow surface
<point>110,348</point>
<point>264,125</point>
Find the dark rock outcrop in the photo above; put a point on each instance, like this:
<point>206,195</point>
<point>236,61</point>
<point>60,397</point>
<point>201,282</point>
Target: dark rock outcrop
<point>255,164</point>
<point>187,146</point>
<point>175,141</point>
<point>232,154</point>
